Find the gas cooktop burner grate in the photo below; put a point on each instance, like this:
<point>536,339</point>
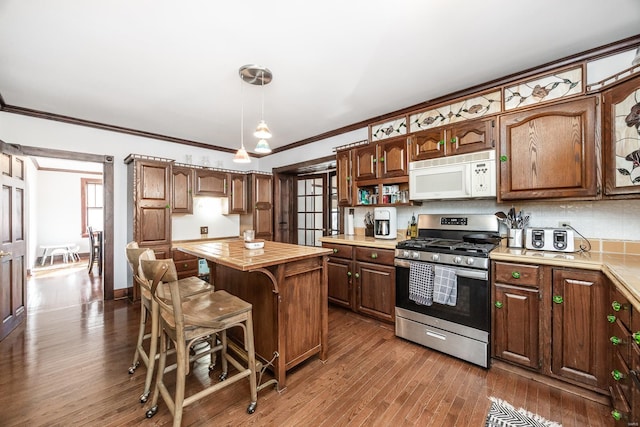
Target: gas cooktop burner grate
<point>453,245</point>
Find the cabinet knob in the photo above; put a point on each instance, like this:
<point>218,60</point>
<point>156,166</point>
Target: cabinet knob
<point>636,337</point>
<point>335,251</point>
<point>498,304</point>
<point>558,299</point>
<point>374,255</point>
<point>615,340</point>
<point>617,375</point>
<point>616,415</point>
<point>381,159</point>
<point>503,158</point>
<point>454,140</point>
<point>611,318</point>
<point>348,273</point>
<point>441,142</point>
<point>616,306</point>
<point>515,275</point>
<point>186,265</point>
<point>357,275</point>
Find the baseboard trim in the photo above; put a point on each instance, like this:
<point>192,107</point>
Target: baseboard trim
<point>121,293</point>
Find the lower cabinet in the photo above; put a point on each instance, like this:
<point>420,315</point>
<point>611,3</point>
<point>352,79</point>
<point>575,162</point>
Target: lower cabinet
<point>186,264</point>
<point>551,320</point>
<point>362,279</point>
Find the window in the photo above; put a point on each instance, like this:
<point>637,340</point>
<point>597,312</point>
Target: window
<point>92,204</point>
<point>311,203</point>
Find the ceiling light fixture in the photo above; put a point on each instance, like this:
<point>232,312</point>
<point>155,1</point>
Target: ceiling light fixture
<point>241,155</point>
<point>258,75</point>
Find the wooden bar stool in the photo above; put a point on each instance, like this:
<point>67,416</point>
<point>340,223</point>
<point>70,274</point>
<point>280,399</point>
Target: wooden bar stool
<point>149,313</point>
<point>184,322</point>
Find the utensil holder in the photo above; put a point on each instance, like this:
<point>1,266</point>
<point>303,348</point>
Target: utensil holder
<point>514,238</point>
<point>368,231</point>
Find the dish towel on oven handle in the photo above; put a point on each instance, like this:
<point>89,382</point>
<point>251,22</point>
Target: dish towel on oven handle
<point>421,282</point>
<point>445,285</point>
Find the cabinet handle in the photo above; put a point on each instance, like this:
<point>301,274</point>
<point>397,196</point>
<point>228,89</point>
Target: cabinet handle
<point>636,337</point>
<point>374,255</point>
<point>617,375</point>
<point>616,415</point>
<point>611,318</point>
<point>515,275</point>
<point>335,251</point>
<point>616,306</point>
<point>348,273</point>
<point>357,275</point>
<point>498,304</point>
<point>503,158</point>
<point>558,299</point>
<point>615,340</point>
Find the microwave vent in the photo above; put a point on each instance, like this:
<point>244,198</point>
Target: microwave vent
<point>455,160</point>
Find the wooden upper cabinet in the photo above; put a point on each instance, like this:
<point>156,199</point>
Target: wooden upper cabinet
<point>211,183</point>
<point>238,193</point>
<point>152,216</point>
<point>182,190</point>
<point>549,152</point>
<point>621,134</point>
<point>365,162</point>
<point>262,205</point>
<point>344,177</point>
<point>461,138</point>
<point>393,158</point>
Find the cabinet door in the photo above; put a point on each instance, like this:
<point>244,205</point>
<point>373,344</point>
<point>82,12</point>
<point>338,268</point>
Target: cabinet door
<point>238,193</point>
<point>516,324</point>
<point>152,219</point>
<point>621,134</point>
<point>579,327</point>
<point>339,272</point>
<point>345,182</point>
<point>365,163</point>
<point>263,190</point>
<point>467,137</point>
<point>262,198</point>
<point>394,158</point>
<point>211,183</point>
<point>376,290</point>
<point>182,190</point>
<point>427,144</point>
<point>549,152</point>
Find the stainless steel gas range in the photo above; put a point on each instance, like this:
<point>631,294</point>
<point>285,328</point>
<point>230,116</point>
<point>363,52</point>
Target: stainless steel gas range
<point>451,253</point>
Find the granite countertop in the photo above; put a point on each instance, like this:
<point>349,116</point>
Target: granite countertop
<point>232,253</point>
<point>622,269</point>
<point>362,240</point>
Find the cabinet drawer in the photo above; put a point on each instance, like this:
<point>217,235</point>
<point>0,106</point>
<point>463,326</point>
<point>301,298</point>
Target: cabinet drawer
<point>620,339</point>
<point>182,256</point>
<point>378,256</point>
<point>621,308</point>
<point>517,274</point>
<point>187,265</point>
<point>341,251</point>
<point>620,376</point>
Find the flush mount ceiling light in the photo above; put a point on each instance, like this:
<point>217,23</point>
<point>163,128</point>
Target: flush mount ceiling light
<point>258,75</point>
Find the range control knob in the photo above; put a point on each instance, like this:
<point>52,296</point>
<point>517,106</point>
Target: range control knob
<point>415,254</point>
<point>470,261</point>
<point>457,260</point>
<point>405,254</point>
<point>435,257</point>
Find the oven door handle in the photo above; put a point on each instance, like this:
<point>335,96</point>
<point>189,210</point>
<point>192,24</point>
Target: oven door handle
<point>460,272</point>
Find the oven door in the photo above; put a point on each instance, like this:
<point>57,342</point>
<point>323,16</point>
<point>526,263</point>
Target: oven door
<point>472,307</point>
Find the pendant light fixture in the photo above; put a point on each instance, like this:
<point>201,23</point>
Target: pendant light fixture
<point>258,75</point>
<point>241,155</point>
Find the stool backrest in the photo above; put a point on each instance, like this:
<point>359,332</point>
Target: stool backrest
<point>164,271</point>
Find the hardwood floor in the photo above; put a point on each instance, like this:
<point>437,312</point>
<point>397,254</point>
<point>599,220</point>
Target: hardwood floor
<point>68,366</point>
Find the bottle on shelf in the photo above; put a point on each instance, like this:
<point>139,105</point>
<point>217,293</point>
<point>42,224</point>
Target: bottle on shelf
<point>414,226</point>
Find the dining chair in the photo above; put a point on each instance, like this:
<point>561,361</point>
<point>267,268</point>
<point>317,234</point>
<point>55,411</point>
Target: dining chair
<point>95,250</point>
<point>185,322</point>
<point>149,313</point>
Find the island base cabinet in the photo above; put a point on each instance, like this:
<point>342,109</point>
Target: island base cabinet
<point>516,324</point>
<point>289,310</point>
<point>579,329</point>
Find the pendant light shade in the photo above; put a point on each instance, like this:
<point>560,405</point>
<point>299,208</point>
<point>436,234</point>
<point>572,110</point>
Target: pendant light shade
<point>262,131</point>
<point>262,147</point>
<point>241,156</point>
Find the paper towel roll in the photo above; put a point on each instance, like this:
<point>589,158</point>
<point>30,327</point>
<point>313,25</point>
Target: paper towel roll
<point>350,230</point>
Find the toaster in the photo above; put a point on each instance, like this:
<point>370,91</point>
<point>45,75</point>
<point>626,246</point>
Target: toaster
<point>549,239</point>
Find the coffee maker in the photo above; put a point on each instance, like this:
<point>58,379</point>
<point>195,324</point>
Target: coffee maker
<point>385,223</point>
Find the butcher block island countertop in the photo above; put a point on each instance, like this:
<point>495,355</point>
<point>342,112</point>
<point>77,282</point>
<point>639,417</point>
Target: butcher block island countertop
<point>287,286</point>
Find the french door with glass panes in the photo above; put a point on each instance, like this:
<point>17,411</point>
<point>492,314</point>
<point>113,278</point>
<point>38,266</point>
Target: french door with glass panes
<point>312,206</point>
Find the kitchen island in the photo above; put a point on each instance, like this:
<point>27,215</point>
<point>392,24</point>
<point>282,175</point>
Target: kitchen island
<point>287,286</point>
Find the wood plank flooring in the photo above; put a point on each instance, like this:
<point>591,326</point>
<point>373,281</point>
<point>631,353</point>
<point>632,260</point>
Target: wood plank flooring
<point>68,366</point>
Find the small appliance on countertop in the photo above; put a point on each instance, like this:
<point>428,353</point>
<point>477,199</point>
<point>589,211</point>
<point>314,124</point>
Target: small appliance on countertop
<point>549,239</point>
<point>385,223</point>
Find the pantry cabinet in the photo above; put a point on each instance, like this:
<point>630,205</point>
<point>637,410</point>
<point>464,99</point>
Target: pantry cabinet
<point>549,152</point>
<point>463,137</point>
<point>362,279</point>
<point>621,136</point>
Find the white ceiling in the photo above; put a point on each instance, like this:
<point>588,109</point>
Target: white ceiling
<point>171,67</point>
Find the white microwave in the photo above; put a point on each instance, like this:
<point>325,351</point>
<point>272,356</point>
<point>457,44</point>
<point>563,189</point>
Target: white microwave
<point>455,177</point>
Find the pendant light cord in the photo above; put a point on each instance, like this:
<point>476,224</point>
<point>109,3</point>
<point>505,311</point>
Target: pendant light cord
<point>262,84</point>
<point>241,113</point>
